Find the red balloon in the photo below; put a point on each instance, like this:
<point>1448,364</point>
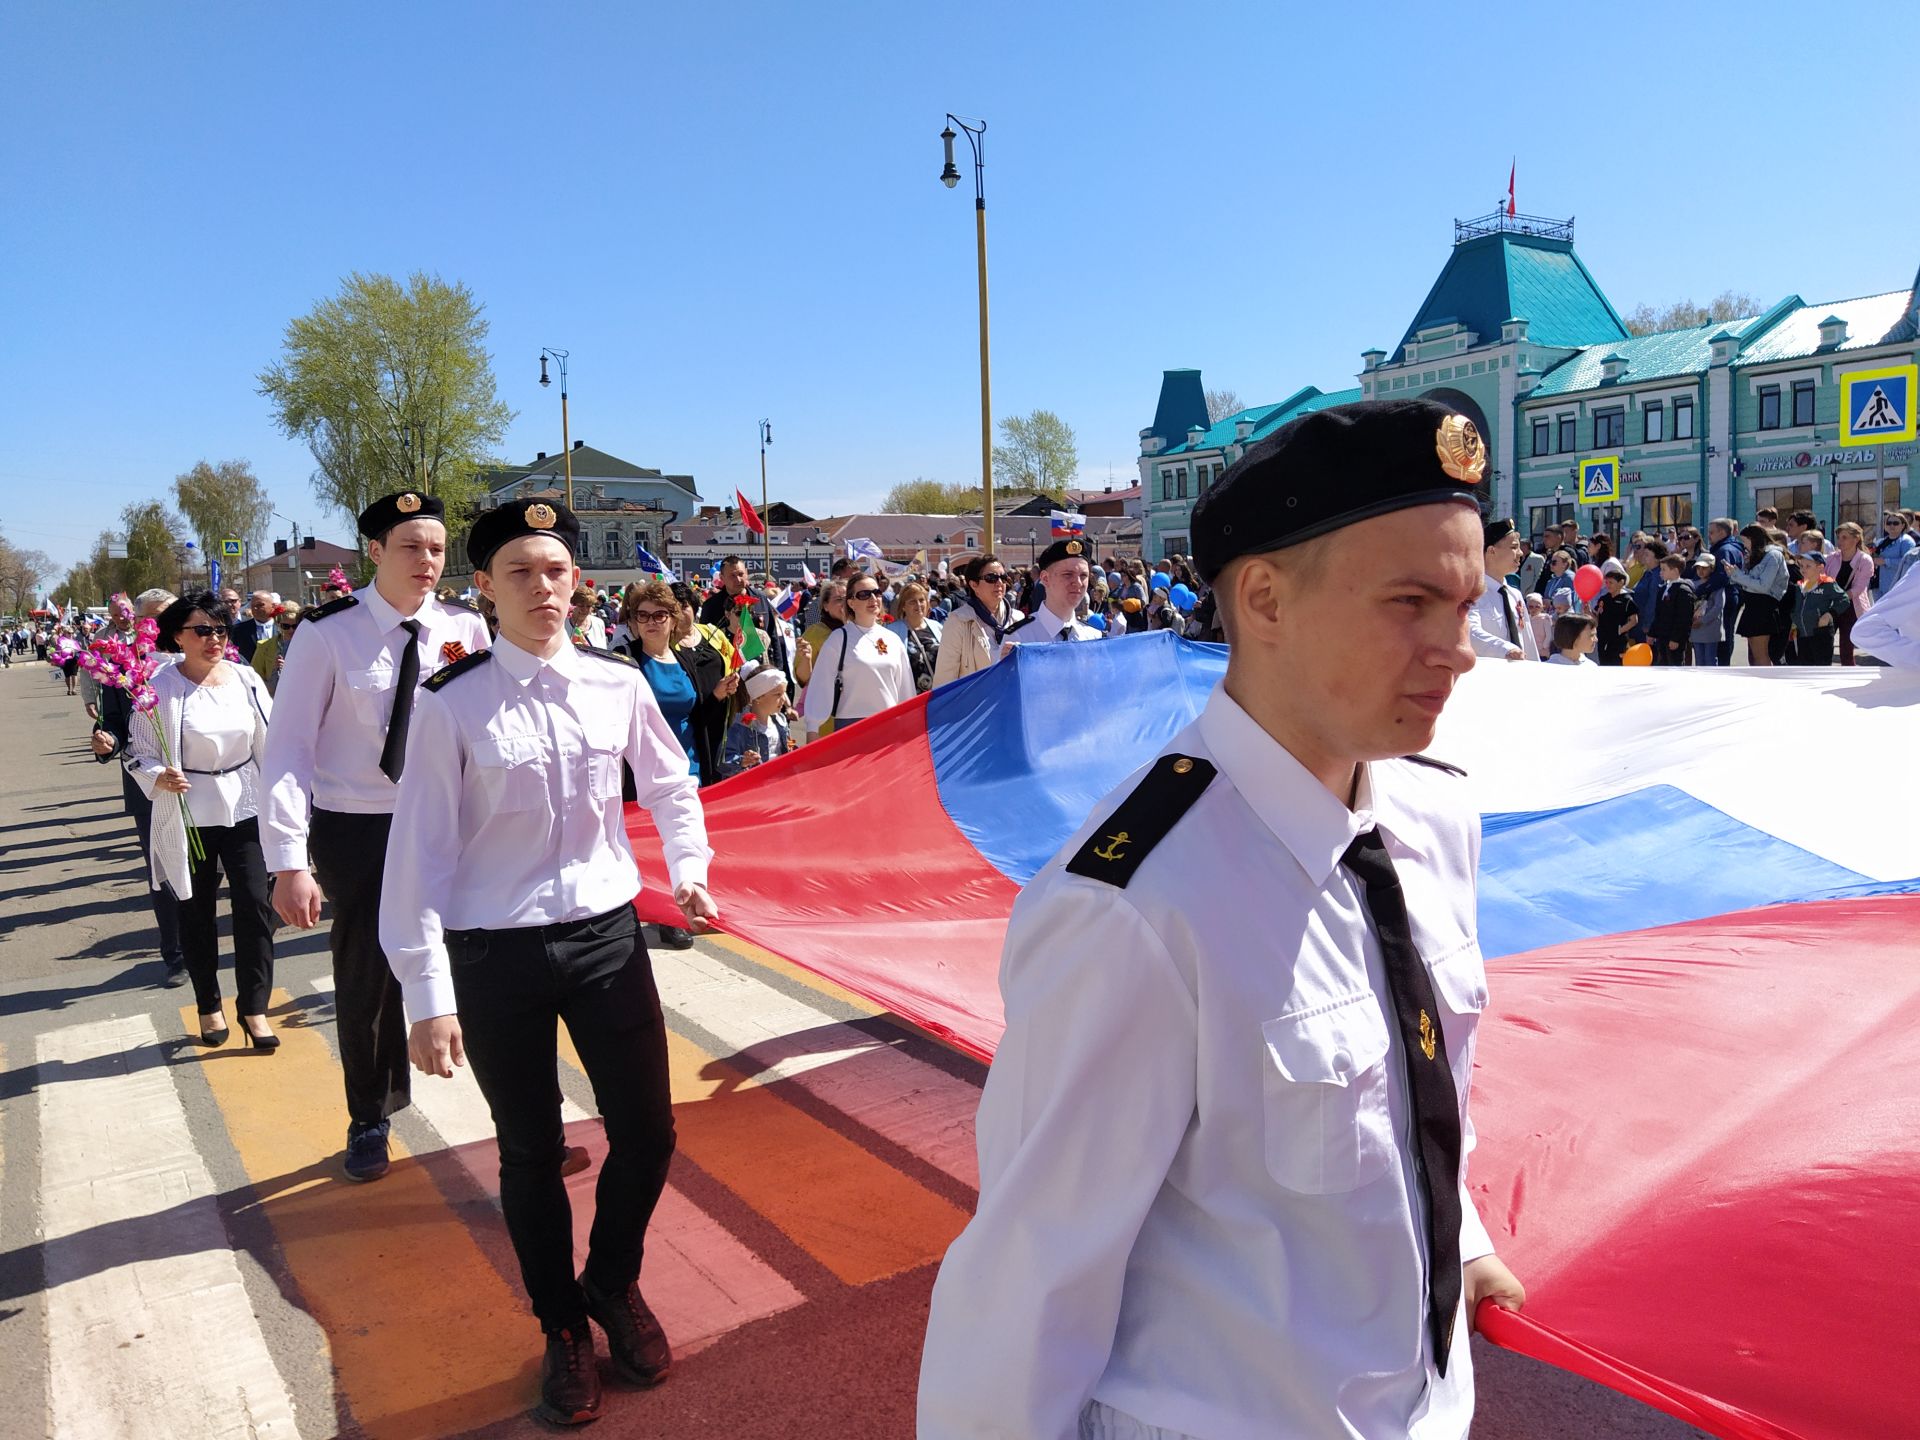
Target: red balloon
<point>1588,582</point>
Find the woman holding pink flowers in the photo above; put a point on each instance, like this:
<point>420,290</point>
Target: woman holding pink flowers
<point>196,751</point>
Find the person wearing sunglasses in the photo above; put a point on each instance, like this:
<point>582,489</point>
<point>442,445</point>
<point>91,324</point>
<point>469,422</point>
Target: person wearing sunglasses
<point>975,633</point>
<point>862,667</point>
<point>270,649</point>
<point>197,755</point>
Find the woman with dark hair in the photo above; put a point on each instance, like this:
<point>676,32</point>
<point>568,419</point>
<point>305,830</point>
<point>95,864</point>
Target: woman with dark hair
<point>833,614</point>
<point>974,635</point>
<point>202,743</point>
<point>1763,581</point>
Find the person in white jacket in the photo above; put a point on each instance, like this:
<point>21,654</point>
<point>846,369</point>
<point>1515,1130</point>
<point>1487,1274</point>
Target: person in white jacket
<point>862,667</point>
<point>196,754</point>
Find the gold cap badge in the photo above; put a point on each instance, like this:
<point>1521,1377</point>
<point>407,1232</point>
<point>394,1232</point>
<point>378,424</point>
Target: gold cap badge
<point>541,517</point>
<point>1073,547</point>
<point>1463,454</point>
<point>407,503</point>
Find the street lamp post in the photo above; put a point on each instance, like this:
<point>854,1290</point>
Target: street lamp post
<point>766,525</point>
<point>976,133</point>
<point>559,357</point>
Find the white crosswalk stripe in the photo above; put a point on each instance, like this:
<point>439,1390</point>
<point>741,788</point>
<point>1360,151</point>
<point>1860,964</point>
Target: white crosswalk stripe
<point>150,1332</point>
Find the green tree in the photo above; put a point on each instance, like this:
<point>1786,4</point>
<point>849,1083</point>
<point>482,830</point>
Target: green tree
<point>1039,455</point>
<point>1684,314</point>
<point>22,573</point>
<point>391,386</point>
<point>920,496</point>
<point>79,587</point>
<point>224,500</point>
<point>154,553</point>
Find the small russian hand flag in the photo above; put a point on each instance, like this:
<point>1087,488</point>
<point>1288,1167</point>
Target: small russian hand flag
<point>787,603</point>
<point>1067,524</point>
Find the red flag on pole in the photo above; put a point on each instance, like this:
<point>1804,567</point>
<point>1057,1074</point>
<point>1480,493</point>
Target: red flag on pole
<point>749,516</point>
<point>1512,170</point>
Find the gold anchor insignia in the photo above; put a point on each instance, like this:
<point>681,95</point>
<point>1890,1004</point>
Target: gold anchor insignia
<point>1428,1040</point>
<point>407,503</point>
<point>1115,844</point>
<point>1463,454</point>
<point>541,517</point>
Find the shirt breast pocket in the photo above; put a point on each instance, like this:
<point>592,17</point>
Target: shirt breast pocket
<point>606,741</point>
<point>1460,985</point>
<point>512,771</point>
<point>1328,1128</point>
<point>372,692</point>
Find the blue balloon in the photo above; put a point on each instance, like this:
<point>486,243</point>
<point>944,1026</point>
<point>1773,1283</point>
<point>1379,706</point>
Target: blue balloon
<point>1161,580</point>
<point>1183,599</point>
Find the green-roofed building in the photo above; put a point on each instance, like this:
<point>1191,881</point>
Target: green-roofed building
<point>1715,420</point>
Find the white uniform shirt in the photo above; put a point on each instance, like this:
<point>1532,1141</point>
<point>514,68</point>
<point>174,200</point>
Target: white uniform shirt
<point>510,812</point>
<point>217,726</point>
<point>1045,628</point>
<point>330,713</point>
<point>1487,626</point>
<point>1197,1198</point>
<point>1890,630</point>
<point>877,675</point>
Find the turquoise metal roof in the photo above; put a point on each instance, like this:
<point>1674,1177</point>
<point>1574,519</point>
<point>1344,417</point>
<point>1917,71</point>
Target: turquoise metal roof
<point>1183,403</point>
<point>1871,320</point>
<point>1266,419</point>
<point>1648,357</point>
<point>1498,277</point>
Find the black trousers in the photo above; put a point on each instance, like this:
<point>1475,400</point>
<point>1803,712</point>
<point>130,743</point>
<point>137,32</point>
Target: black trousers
<point>166,909</point>
<point>236,850</point>
<point>1815,648</point>
<point>511,986</point>
<point>349,854</point>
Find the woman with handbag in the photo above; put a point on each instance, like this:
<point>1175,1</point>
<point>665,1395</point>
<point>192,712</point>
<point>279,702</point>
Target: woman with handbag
<point>197,754</point>
<point>861,669</point>
<point>918,631</point>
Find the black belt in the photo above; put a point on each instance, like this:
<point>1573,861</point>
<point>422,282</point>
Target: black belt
<point>189,770</point>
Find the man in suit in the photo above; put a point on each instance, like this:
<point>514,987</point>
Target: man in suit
<point>246,634</point>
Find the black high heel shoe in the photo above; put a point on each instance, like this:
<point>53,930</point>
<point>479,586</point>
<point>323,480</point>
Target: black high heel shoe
<point>216,1037</point>
<point>268,1043</point>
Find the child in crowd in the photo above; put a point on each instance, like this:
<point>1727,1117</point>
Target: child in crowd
<point>759,732</point>
<point>1573,639</point>
<point>1541,622</point>
<point>1672,631</point>
<point>1709,610</point>
<point>1822,604</point>
<point>1617,620</point>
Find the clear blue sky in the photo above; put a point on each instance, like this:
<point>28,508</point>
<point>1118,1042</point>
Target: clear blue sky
<point>730,211</point>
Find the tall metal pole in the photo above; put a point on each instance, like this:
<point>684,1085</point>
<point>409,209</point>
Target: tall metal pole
<point>766,525</point>
<point>559,357</point>
<point>976,132</point>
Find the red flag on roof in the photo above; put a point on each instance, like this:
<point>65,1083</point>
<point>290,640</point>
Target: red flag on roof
<point>1512,170</point>
<point>749,516</point>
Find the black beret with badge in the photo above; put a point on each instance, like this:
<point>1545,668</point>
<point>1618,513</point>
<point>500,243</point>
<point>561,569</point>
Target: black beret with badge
<point>1497,530</point>
<point>1072,548</point>
<point>1332,469</point>
<point>511,519</point>
<point>391,510</point>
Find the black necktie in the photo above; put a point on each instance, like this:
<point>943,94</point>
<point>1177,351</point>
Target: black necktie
<point>1506,609</point>
<point>1436,1105</point>
<point>393,754</point>
<point>1066,632</point>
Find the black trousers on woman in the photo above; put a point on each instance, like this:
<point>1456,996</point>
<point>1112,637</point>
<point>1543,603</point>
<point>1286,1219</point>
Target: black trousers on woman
<point>236,850</point>
<point>511,987</point>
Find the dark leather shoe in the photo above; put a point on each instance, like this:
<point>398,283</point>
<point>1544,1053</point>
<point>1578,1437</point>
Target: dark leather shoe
<point>672,937</point>
<point>635,1341</point>
<point>570,1377</point>
<point>367,1151</point>
<point>175,977</point>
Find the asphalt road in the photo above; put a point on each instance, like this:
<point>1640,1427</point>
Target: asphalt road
<point>236,1285</point>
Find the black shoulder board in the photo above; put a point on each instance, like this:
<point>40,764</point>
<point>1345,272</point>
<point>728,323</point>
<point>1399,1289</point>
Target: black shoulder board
<point>464,605</point>
<point>1428,760</point>
<point>459,667</point>
<point>614,655</point>
<point>1142,820</point>
<point>332,607</point>
<point>1019,625</point>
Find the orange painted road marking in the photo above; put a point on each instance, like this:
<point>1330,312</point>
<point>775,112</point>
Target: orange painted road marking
<point>426,1338</point>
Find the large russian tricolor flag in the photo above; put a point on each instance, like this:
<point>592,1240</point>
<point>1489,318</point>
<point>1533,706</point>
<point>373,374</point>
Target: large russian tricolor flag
<point>1698,1082</point>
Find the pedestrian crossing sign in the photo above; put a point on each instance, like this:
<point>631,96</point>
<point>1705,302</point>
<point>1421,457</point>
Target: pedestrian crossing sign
<point>230,547</point>
<point>1600,480</point>
<point>1877,406</point>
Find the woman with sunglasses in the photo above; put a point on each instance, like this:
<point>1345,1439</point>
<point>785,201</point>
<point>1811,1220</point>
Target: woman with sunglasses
<point>862,667</point>
<point>975,633</point>
<point>213,714</point>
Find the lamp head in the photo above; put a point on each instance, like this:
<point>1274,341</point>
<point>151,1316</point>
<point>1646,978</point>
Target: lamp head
<point>949,177</point>
<point>543,371</point>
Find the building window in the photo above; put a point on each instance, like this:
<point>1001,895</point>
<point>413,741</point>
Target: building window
<point>1609,429</point>
<point>1854,501</point>
<point>1567,441</point>
<point>1683,419</point>
<point>973,542</point>
<point>1784,498</point>
<point>1657,512</point>
<point>1769,407</point>
<point>1543,437</point>
<point>1539,517</point>
<point>1656,422</point>
<point>1803,402</point>
<point>1166,483</point>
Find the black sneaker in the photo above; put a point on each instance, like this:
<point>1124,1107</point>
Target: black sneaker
<point>635,1341</point>
<point>367,1150</point>
<point>175,977</point>
<point>569,1377</point>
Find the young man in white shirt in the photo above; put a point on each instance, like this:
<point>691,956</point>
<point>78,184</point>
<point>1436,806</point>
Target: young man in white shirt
<point>1065,573</point>
<point>508,907</point>
<point>335,753</point>
<point>1223,1143</point>
<point>1498,624</point>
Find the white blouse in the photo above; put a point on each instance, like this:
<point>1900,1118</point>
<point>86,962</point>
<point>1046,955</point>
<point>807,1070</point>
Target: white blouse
<point>876,675</point>
<point>216,752</point>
